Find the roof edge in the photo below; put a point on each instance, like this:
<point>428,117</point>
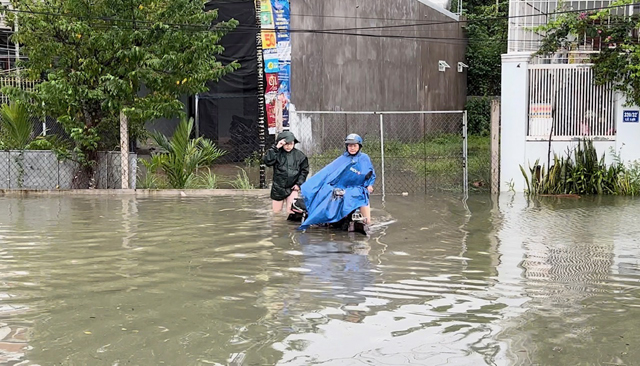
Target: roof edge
<point>440,9</point>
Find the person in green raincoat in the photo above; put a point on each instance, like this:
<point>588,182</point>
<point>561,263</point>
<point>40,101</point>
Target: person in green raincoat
<point>290,170</point>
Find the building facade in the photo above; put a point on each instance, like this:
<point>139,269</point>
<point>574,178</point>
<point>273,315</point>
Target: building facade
<point>373,56</point>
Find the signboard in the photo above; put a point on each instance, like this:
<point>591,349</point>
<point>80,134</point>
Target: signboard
<point>540,120</point>
<point>276,44</point>
<point>540,110</point>
<point>630,116</point>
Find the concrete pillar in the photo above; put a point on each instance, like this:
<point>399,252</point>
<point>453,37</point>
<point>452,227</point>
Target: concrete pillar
<point>627,130</point>
<point>513,111</point>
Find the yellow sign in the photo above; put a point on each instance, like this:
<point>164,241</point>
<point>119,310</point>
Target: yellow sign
<point>269,40</point>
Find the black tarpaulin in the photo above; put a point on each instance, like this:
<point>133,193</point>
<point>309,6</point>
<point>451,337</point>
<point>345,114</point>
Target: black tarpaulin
<point>228,112</point>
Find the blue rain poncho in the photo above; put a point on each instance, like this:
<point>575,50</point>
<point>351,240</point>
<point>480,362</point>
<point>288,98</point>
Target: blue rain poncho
<point>353,173</point>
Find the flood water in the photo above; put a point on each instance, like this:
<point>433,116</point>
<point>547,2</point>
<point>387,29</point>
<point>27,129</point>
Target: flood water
<point>221,281</point>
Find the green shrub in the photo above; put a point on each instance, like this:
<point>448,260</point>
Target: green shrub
<point>583,174</point>
<point>182,156</point>
<point>478,115</point>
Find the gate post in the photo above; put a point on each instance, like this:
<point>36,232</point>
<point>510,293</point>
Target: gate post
<point>124,152</point>
<point>495,146</point>
<point>465,158</point>
<point>382,153</point>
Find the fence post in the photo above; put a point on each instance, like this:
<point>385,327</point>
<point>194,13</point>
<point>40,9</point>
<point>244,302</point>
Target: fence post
<point>382,153</point>
<point>465,157</point>
<point>197,115</point>
<point>124,151</point>
<point>44,121</point>
<point>495,146</point>
<point>9,168</point>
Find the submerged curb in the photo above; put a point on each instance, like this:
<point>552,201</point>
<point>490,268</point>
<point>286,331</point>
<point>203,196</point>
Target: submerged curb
<point>136,192</point>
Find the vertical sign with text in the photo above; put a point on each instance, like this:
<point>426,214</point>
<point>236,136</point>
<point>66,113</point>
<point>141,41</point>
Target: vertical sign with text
<point>275,16</point>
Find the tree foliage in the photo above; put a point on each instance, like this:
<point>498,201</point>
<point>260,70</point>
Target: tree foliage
<point>487,33</point>
<point>618,61</point>
<point>96,58</point>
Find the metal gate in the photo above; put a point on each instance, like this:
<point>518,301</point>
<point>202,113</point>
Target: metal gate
<point>412,152</point>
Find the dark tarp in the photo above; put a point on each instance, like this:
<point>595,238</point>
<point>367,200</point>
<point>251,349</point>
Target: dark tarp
<point>228,112</point>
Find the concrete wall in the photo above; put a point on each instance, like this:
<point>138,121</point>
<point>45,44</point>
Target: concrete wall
<point>379,71</point>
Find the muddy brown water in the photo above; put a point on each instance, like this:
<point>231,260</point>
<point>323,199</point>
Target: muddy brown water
<point>221,281</point>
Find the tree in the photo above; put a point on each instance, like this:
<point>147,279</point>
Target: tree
<point>487,33</point>
<point>96,58</point>
<point>617,35</point>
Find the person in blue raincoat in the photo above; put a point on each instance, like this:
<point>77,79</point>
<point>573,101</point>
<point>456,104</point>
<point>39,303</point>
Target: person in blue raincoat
<point>352,174</point>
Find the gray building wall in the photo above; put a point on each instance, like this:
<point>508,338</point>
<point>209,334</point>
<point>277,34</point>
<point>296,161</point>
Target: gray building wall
<point>360,73</point>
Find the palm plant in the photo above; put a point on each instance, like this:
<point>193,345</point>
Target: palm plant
<point>182,156</point>
<point>241,181</point>
<point>16,129</point>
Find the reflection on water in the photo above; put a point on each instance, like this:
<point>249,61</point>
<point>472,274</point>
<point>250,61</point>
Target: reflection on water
<point>220,281</point>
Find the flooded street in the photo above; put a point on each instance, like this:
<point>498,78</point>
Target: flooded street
<point>220,281</point>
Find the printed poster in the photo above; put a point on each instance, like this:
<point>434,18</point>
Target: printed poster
<point>272,83</point>
<point>271,61</point>
<point>281,14</point>
<point>268,39</point>
<point>270,101</point>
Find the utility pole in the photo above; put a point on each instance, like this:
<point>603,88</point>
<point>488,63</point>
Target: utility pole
<point>15,30</point>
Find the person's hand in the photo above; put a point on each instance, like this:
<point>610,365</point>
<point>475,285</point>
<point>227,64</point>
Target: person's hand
<point>370,189</point>
<point>280,144</point>
<point>296,188</point>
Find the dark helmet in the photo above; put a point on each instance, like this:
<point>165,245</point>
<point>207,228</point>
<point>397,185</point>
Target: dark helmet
<point>353,139</point>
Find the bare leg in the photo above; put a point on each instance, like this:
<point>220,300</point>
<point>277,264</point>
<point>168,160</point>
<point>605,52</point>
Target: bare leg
<point>290,199</point>
<point>366,212</point>
<point>277,206</point>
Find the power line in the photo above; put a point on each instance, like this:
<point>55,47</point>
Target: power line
<point>343,32</point>
<point>254,27</point>
<point>359,18</point>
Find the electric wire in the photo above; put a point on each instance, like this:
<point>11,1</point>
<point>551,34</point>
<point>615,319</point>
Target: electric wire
<point>202,28</point>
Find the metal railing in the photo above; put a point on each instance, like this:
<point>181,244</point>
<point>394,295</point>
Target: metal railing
<point>42,125</point>
<point>412,152</point>
<point>565,102</point>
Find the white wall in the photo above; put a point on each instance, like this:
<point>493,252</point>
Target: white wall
<point>540,150</point>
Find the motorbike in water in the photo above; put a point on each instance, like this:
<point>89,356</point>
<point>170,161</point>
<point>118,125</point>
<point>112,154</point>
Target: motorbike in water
<point>353,222</point>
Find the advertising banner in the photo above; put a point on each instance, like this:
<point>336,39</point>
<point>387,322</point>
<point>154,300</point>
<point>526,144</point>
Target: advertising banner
<point>271,61</point>
<point>272,83</point>
<point>276,45</point>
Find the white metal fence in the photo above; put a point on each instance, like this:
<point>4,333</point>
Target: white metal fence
<point>411,151</point>
<point>525,16</point>
<point>565,103</point>
<point>42,125</point>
